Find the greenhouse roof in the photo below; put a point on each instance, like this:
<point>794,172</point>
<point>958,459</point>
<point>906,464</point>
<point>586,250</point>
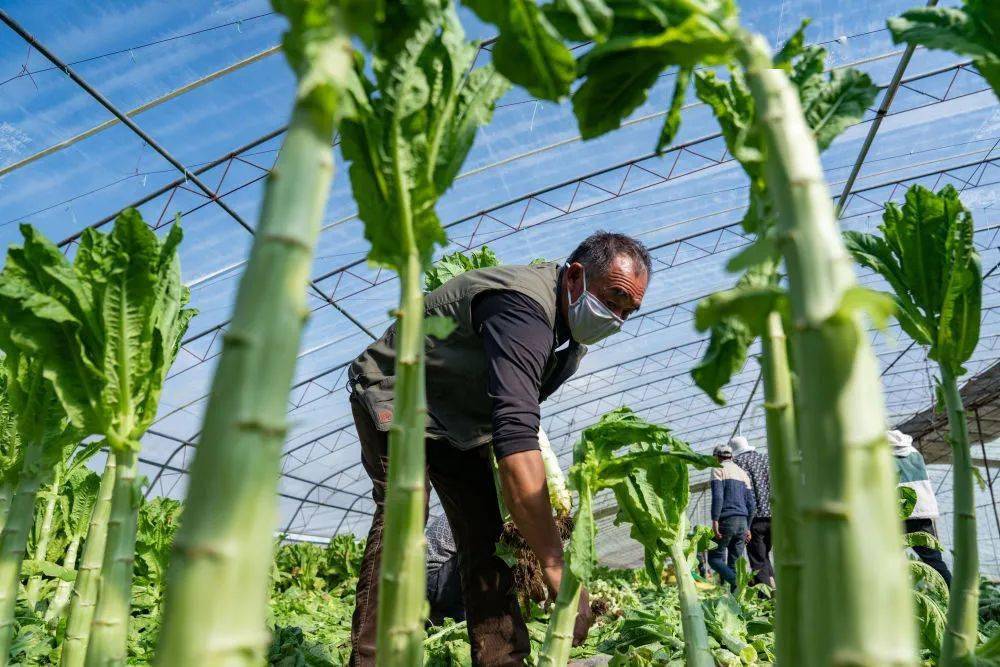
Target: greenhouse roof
<point>206,81</point>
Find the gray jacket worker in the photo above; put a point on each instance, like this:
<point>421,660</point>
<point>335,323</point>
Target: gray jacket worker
<point>521,332</point>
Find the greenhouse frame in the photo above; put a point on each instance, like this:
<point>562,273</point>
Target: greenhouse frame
<point>179,109</point>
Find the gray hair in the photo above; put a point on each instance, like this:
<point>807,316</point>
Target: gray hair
<point>601,248</point>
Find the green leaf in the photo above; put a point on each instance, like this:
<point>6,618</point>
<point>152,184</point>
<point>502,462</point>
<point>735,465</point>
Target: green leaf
<point>105,329</point>
<point>505,552</point>
<point>792,48</point>
<point>579,20</point>
<point>921,539</point>
<point>750,305</point>
<point>620,71</point>
<point>439,327</point>
<point>457,263</point>
<point>725,356</point>
<point>907,497</point>
<point>928,257</point>
<point>618,82</point>
<point>833,104</point>
<point>673,120</point>
<point>529,51</point>
<point>764,250</point>
<point>971,30</point>
<point>649,481</point>
<point>878,305</point>
<point>411,130</point>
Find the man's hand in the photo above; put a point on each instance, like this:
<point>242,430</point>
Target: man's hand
<point>746,536</point>
<point>526,494</point>
<point>715,529</point>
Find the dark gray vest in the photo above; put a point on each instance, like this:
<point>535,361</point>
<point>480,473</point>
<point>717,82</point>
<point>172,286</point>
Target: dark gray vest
<point>458,405</point>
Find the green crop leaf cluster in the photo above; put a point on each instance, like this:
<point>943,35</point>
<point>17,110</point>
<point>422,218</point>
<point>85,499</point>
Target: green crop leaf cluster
<point>831,102</point>
<point>928,257</point>
<point>411,129</point>
<point>971,30</point>
<point>106,328</point>
<point>457,263</point>
<point>529,51</point>
<point>646,481</point>
<point>634,43</point>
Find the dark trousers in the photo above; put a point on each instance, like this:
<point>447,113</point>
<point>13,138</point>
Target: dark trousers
<point>930,556</point>
<point>444,592</point>
<point>464,482</point>
<point>724,556</point>
<point>759,551</point>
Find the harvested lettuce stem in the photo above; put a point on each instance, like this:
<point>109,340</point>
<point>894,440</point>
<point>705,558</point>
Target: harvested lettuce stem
<point>850,526</point>
<point>786,481</point>
<point>33,591</point>
<point>109,629</point>
<point>14,540</point>
<point>225,542</point>
<point>696,650</point>
<point>402,580</point>
<point>84,600</point>
<point>958,646</point>
<point>559,633</point>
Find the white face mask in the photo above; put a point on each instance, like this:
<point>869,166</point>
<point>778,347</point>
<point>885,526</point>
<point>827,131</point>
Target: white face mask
<point>590,321</point>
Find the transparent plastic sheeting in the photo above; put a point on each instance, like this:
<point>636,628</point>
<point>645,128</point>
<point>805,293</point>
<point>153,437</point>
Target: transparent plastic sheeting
<point>531,188</point>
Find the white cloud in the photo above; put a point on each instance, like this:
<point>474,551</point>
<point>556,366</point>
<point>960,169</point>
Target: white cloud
<point>12,140</point>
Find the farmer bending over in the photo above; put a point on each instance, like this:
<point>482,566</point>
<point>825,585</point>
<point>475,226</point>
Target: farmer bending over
<point>521,332</point>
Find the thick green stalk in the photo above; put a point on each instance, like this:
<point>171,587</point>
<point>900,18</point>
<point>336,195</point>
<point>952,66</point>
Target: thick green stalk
<point>559,632</point>
<point>109,628</point>
<point>84,599</point>
<point>14,540</point>
<point>696,650</point>
<point>961,633</point>
<point>861,615</point>
<point>217,592</point>
<point>402,580</point>
<point>786,481</point>
<point>6,494</point>
<point>33,591</point>
<point>60,600</point>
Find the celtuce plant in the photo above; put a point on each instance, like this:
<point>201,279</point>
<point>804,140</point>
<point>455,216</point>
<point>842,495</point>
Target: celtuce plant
<point>105,331</point>
<point>407,138</point>
<point>225,543</point>
<point>928,257</point>
<point>45,436</point>
<point>848,527</point>
<point>831,103</point>
<point>455,264</point>
<point>645,480</point>
<point>654,499</point>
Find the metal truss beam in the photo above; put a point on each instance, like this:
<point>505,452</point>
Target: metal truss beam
<point>211,194</point>
<point>883,110</point>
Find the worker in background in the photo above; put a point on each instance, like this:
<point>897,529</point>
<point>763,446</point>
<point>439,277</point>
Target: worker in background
<point>521,332</point>
<point>755,465</point>
<point>913,473</point>
<point>732,511</point>
<point>444,582</point>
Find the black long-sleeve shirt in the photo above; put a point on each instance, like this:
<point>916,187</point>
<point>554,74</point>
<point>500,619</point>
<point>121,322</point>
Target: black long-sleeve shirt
<point>518,340</point>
